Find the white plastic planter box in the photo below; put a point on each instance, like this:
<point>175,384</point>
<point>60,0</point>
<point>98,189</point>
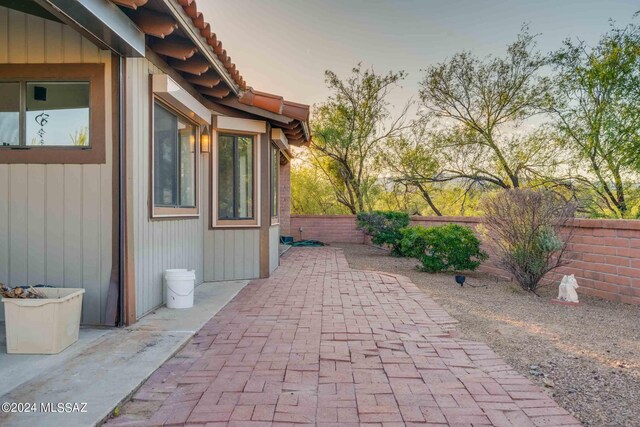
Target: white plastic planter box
<point>43,326</point>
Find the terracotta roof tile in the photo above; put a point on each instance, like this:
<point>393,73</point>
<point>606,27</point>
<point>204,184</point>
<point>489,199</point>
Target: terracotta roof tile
<point>191,9</point>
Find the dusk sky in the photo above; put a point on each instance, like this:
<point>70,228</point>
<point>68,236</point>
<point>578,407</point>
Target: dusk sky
<point>284,46</point>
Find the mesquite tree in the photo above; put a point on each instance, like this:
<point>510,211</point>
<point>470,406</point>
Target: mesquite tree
<point>596,104</point>
<point>483,102</point>
<point>412,162</point>
<point>349,130</point>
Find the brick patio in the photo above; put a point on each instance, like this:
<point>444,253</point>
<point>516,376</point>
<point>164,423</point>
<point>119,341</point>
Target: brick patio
<point>320,343</point>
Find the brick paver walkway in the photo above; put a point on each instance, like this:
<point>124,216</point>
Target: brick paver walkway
<point>320,343</point>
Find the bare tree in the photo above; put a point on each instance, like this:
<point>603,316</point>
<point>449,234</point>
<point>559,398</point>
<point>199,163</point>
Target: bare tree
<point>529,231</point>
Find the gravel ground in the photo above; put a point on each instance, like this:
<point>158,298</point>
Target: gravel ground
<point>587,357</point>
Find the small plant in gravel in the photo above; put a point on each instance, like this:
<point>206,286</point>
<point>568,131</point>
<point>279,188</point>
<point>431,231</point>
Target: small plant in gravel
<point>528,230</point>
<point>384,227</point>
<point>450,247</point>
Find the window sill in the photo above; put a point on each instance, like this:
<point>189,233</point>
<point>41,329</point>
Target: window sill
<point>161,213</point>
<point>235,223</point>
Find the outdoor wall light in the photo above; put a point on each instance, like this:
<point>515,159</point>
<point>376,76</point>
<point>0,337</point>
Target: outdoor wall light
<point>205,141</point>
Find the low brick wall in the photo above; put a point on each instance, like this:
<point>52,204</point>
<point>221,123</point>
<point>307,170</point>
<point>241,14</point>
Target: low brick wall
<point>329,228</point>
<point>604,254</point>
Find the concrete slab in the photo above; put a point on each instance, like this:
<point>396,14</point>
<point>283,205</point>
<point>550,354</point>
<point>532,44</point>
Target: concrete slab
<point>106,366</point>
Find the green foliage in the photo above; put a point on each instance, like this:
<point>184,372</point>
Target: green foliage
<point>312,194</point>
<point>595,103</point>
<point>450,247</point>
<point>568,122</point>
<point>384,227</point>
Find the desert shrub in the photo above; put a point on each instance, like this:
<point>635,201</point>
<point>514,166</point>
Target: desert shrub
<point>527,229</point>
<point>384,227</point>
<point>450,247</point>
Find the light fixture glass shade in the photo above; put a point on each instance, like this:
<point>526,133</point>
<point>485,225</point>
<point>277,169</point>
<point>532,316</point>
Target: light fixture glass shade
<point>205,141</point>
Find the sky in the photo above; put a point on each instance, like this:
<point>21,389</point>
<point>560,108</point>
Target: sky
<point>284,46</point>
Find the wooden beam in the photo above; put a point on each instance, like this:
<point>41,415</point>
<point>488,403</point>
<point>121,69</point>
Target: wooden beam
<point>174,47</point>
<point>154,23</point>
<point>131,4</point>
<point>218,92</point>
<point>128,256</point>
<point>209,80</point>
<point>264,205</point>
<point>195,65</point>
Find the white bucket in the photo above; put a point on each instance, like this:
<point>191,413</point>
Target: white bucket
<point>180,284</point>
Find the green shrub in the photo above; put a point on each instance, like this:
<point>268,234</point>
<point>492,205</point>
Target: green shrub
<point>449,247</point>
<point>384,227</point>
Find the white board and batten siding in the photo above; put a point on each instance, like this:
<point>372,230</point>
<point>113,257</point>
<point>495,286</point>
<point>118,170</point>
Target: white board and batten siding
<point>55,220</point>
<point>158,244</point>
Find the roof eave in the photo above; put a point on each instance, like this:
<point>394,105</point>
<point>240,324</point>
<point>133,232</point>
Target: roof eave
<point>189,28</point>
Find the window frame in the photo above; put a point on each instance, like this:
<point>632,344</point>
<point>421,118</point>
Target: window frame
<point>216,222</point>
<point>274,181</point>
<point>168,212</point>
<point>94,74</point>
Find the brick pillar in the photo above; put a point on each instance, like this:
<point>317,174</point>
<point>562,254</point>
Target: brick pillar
<point>285,199</point>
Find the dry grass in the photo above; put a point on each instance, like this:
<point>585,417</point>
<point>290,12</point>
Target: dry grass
<point>590,355</point>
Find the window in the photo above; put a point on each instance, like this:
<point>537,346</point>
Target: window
<point>55,114</point>
<point>10,114</point>
<point>236,175</point>
<point>275,171</point>
<point>174,164</point>
<point>52,113</point>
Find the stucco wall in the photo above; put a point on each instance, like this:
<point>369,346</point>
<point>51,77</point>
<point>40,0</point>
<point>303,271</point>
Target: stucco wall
<point>604,254</point>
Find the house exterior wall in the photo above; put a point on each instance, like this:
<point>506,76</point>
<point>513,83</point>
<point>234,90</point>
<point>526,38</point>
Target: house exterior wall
<point>604,254</point>
<point>56,219</point>
<point>163,243</point>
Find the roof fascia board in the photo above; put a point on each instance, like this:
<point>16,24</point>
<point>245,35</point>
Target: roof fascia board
<point>187,26</point>
<point>101,22</point>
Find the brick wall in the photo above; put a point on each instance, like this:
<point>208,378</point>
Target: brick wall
<point>604,254</point>
<point>329,229</point>
<point>285,199</point>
